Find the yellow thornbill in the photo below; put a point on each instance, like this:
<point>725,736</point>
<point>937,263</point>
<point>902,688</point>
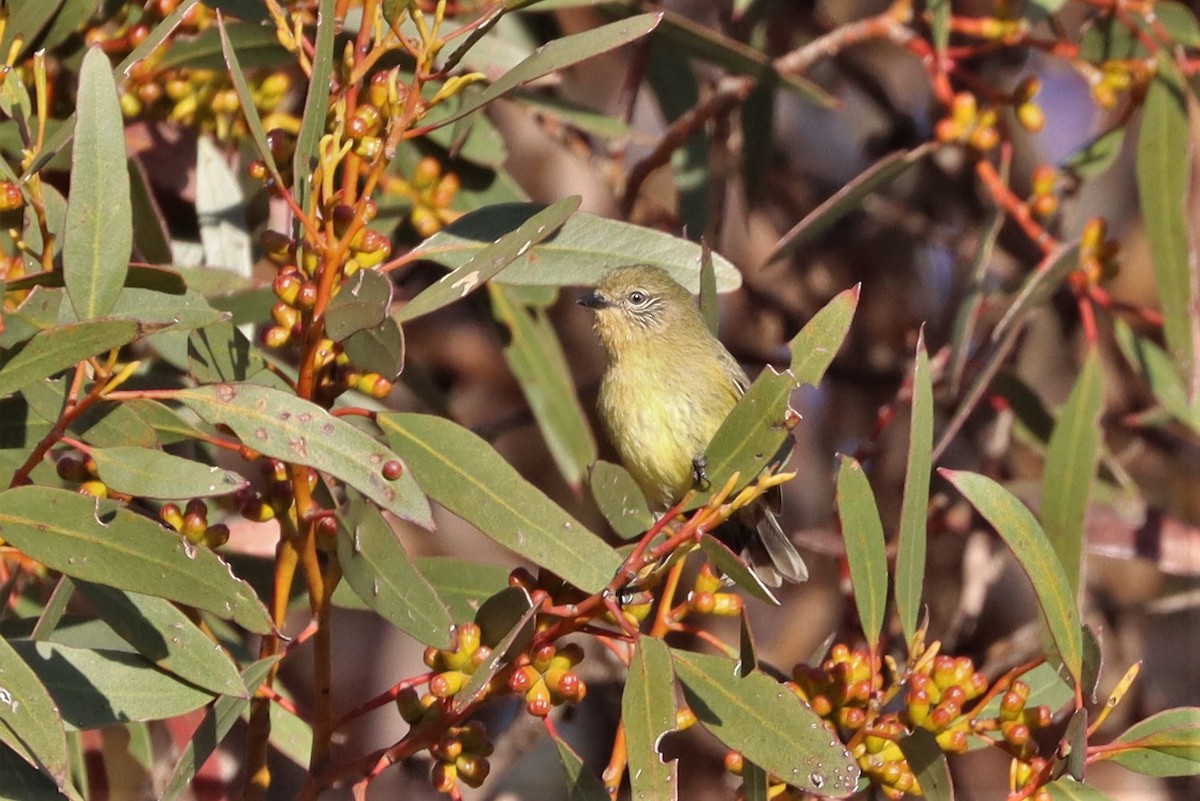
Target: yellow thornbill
<point>668,387</point>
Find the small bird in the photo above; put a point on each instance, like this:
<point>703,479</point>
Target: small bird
<point>668,387</point>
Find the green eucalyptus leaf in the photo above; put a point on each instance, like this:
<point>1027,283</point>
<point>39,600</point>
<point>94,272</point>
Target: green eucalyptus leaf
<point>216,724</point>
<point>150,473</point>
<point>1071,460</point>
<point>648,713</point>
<point>29,722</point>
<point>99,231</point>
<point>56,349</point>
<point>866,550</point>
<point>765,722</point>
<point>316,103</point>
<point>98,688</point>
<point>759,427</point>
<point>165,636</point>
<point>582,250</point>
<point>619,499</point>
<point>462,584</point>
<point>487,262</point>
<point>536,357</point>
<point>1165,744</point>
<point>1017,526</point>
<point>1163,179</point>
<point>379,349</point>
<point>463,473</point>
<point>928,763</point>
<point>557,54</point>
<point>582,784</point>
<point>97,540</point>
<point>361,303</point>
<point>283,426</point>
<point>914,510</point>
<point>381,573</point>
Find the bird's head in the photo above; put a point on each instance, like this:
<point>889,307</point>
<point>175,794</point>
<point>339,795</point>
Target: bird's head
<point>638,303</point>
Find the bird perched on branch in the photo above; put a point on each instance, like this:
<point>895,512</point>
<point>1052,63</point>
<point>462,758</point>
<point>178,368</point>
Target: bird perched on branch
<point>668,387</point>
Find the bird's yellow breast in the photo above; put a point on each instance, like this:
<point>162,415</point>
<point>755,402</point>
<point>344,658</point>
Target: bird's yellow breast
<point>661,414</point>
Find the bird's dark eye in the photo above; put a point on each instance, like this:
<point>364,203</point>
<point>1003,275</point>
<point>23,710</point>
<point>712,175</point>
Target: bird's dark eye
<point>637,297</point>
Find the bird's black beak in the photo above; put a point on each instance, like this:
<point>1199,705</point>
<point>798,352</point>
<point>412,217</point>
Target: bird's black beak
<point>594,300</point>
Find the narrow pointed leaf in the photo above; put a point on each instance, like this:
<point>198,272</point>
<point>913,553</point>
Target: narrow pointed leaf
<point>381,573</point>
<point>1155,366</point>
<point>217,722</point>
<point>97,688</point>
<point>29,722</point>
<point>759,426</point>
<point>1038,287</point>
<point>140,276</point>
<point>98,541</point>
<point>316,104</point>
<point>249,110</point>
<point>294,430</point>
<point>463,473</point>
<point>733,568</point>
<point>1019,529</point>
<point>560,53</point>
<point>1163,178</point>
<point>1067,789</point>
<point>149,473</point>
<point>1165,744</point>
<point>847,199</point>
<point>582,784</point>
<point>487,262</point>
<point>928,764</point>
<point>23,782</point>
<point>56,349</point>
<point>866,550</point>
<point>619,499</point>
<point>578,254</point>
<point>165,636</point>
<point>506,625</point>
<point>536,358</point>
<point>764,721</point>
<point>462,584</point>
<point>99,233</point>
<point>1071,461</point>
<point>914,509</point>
<point>648,713</point>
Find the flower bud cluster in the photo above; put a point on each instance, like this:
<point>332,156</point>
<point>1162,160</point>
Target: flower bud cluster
<point>296,289</point>
<point>547,678</point>
<point>1043,202</point>
<point>454,667</point>
<point>1097,252</point>
<point>847,692</point>
<point>460,755</point>
<point>969,124</point>
<point>706,598</point>
<point>936,697</point>
<point>432,192</point>
<point>1114,78</point>
<point>282,145</point>
<point>192,523</point>
<point>82,471</point>
<point>201,99</point>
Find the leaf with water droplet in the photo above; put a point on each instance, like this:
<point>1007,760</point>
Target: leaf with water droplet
<point>758,717</point>
<point>98,540</point>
